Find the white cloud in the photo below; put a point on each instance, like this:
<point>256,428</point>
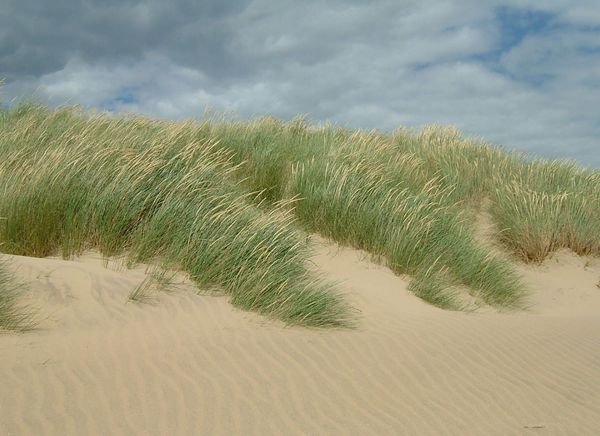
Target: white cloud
<point>376,65</point>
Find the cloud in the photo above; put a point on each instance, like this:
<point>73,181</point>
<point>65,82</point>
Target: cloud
<point>512,72</point>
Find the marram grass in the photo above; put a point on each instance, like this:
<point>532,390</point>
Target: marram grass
<point>547,206</point>
<point>150,190</point>
<point>373,192</point>
<point>228,202</point>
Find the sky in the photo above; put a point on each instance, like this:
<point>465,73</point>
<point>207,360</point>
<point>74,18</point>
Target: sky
<point>521,74</point>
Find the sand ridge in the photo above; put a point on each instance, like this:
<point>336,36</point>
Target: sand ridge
<point>192,364</point>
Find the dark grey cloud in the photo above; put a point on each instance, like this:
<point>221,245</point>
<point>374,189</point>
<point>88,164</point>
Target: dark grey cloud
<point>514,72</point>
<point>40,37</point>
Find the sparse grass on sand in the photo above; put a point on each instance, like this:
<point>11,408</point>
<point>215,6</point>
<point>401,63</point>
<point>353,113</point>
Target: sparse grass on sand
<point>13,315</point>
<point>229,202</point>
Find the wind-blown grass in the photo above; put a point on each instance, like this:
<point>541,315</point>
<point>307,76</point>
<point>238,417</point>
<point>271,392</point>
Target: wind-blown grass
<point>225,200</point>
<point>157,279</point>
<point>547,206</point>
<point>366,190</point>
<point>147,189</point>
<point>538,205</point>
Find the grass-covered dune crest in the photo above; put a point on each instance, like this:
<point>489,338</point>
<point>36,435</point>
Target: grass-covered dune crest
<point>229,202</point>
<point>149,190</point>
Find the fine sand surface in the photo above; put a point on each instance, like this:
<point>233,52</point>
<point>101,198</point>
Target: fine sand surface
<point>192,364</point>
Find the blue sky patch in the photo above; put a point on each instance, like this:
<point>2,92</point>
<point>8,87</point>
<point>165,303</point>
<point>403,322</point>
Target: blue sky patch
<point>515,24</point>
<point>125,97</point>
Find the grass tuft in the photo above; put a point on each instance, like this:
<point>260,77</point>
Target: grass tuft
<point>13,315</point>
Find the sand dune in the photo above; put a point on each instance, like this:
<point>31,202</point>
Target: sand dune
<point>192,364</point>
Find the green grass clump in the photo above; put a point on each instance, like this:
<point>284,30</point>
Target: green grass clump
<point>545,206</point>
<point>436,286</point>
<point>369,209</point>
<point>373,192</point>
<point>538,205</point>
<point>148,189</point>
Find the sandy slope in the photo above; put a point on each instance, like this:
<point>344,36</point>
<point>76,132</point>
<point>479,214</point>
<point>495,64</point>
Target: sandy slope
<point>190,364</point>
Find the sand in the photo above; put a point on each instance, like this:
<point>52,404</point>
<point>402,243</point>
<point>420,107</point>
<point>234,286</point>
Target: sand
<point>185,363</point>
